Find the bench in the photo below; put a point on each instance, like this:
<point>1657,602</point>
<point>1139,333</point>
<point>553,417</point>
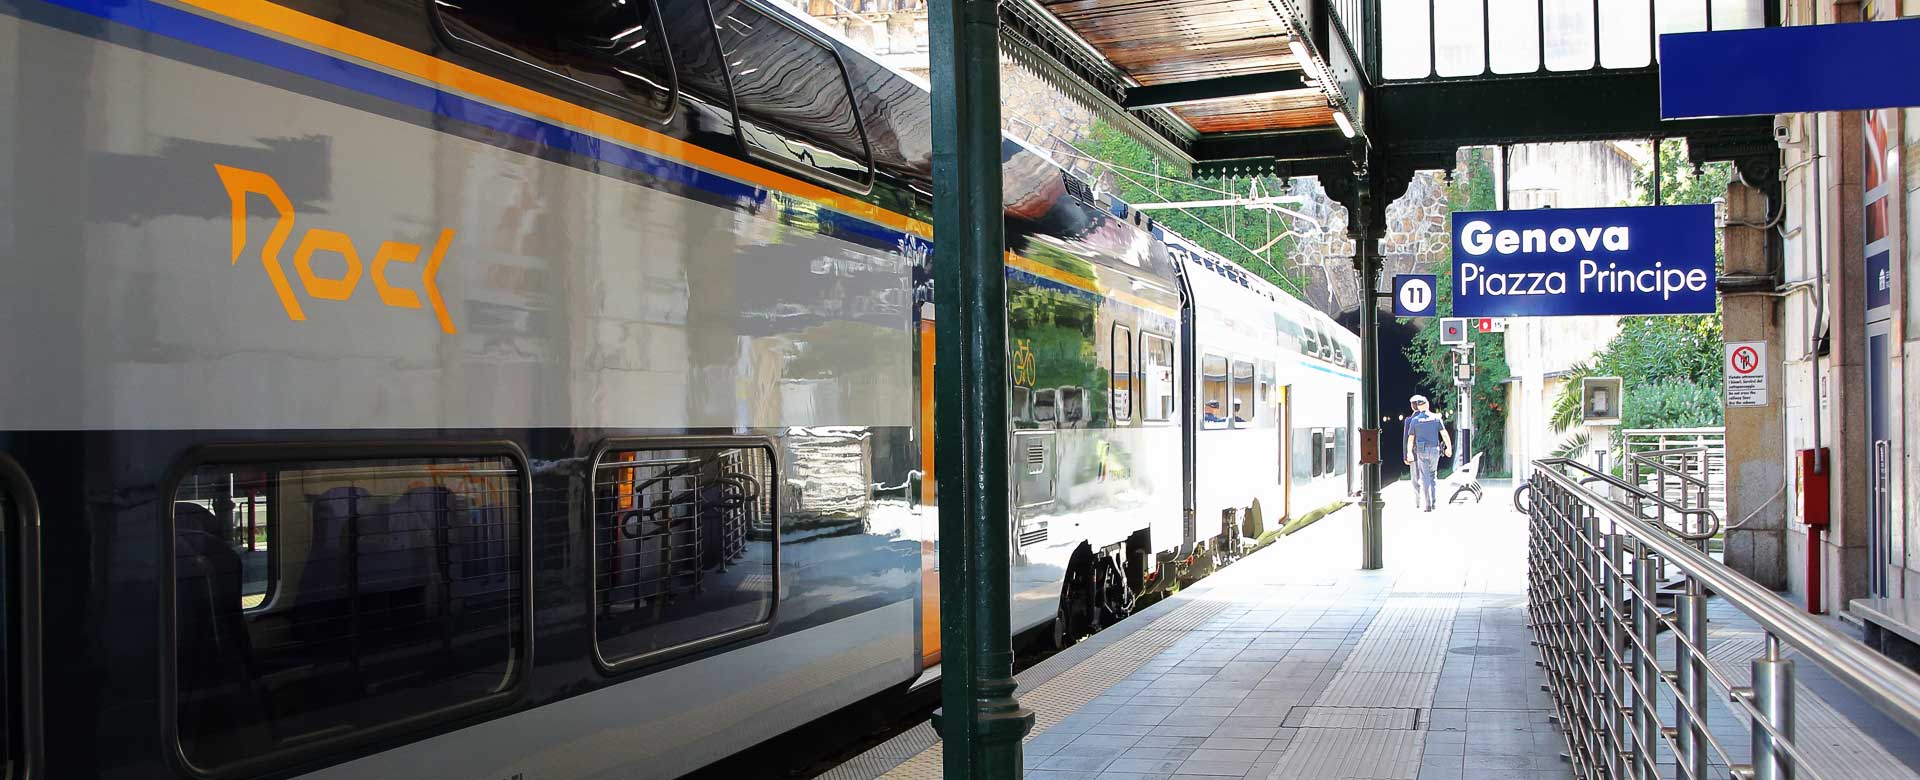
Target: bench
<point>1892,628</point>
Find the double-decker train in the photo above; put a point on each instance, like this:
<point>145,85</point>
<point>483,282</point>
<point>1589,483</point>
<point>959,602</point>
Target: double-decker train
<point>486,389</point>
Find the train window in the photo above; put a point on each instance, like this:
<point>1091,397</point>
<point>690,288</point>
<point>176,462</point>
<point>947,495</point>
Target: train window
<point>1341,437</point>
<point>1215,398</point>
<point>1318,444</point>
<point>791,92</point>
<point>1022,403</point>
<point>1309,341</point>
<point>1269,403</point>
<point>1120,352</point>
<point>1302,454</point>
<point>398,591</point>
<point>1045,406</point>
<point>1156,376</point>
<point>1073,405</point>
<point>685,548</point>
<point>1328,449</point>
<point>606,51</point>
<point>1245,411</point>
<point>1286,332</point>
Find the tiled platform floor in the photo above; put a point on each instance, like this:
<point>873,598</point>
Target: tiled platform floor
<point>1295,664</point>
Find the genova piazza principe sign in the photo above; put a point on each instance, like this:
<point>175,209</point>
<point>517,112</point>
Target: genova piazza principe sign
<point>1560,262</point>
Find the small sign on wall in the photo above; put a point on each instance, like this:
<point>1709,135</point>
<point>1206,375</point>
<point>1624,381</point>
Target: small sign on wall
<point>1746,372</point>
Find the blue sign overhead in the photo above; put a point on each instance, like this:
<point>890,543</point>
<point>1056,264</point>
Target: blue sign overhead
<point>1556,262</point>
<point>1414,295</point>
<point>1784,70</point>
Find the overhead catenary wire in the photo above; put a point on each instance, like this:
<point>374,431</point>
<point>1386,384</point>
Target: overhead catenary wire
<point>1151,185</point>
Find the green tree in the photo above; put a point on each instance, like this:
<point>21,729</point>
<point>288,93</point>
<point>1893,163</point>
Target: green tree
<point>1432,362</point>
<point>1211,228</point>
<point>1670,365</point>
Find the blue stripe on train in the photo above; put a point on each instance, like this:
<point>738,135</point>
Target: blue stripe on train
<point>225,38</point>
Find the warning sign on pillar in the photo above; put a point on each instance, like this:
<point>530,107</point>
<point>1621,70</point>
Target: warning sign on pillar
<point>1746,368</point>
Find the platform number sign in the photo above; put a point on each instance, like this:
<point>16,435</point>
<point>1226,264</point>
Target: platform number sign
<point>1413,295</point>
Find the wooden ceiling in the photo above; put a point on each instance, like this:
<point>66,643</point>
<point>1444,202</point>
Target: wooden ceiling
<point>1173,41</point>
<point>1294,110</point>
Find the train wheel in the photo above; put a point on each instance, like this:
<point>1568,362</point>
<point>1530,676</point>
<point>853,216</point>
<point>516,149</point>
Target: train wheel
<point>1062,634</point>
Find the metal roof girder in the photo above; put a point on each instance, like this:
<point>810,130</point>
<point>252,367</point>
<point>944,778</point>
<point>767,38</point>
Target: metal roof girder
<point>1204,90</point>
<point>1423,117</point>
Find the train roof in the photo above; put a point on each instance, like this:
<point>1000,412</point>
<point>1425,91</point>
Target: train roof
<point>1235,273</point>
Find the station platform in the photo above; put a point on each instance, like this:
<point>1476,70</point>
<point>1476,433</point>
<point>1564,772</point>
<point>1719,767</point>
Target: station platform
<point>1295,664</point>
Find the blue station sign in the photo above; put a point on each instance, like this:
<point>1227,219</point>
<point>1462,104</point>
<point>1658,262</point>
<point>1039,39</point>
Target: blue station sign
<point>1560,262</point>
<point>1784,70</point>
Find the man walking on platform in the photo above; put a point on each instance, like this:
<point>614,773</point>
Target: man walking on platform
<point>1426,440</point>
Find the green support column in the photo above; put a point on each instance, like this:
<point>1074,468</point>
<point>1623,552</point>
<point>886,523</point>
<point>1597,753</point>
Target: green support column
<point>980,721</point>
<point>1366,255</point>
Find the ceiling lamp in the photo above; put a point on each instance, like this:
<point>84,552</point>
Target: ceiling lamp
<point>1346,125</point>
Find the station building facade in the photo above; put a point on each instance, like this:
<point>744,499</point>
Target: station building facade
<point>1838,310</point>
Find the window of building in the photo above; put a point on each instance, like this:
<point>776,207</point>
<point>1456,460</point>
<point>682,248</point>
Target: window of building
<point>1244,410</point>
<point>791,92</point>
<point>1156,376</point>
<point>394,588</point>
<point>611,52</point>
<point>1215,398</point>
<point>1120,352</point>
<point>685,542</point>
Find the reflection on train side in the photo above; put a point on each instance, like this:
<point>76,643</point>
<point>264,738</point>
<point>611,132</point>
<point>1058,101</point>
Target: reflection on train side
<point>683,547</point>
<point>314,599</point>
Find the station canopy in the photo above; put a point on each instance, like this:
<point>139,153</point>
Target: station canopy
<point>1299,87</point>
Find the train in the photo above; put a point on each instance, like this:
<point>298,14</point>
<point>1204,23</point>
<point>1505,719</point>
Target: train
<point>501,390</point>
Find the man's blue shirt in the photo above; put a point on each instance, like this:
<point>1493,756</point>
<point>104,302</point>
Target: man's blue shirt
<point>1425,428</point>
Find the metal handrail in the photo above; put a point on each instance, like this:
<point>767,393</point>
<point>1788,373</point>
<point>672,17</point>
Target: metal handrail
<point>1656,459</point>
<point>1694,491</point>
<point>1711,525</point>
<point>1592,594</point>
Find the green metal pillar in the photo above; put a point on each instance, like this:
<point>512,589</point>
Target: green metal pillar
<point>1366,255</point>
<point>980,721</point>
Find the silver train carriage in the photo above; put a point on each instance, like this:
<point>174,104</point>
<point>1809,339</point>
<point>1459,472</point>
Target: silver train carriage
<point>495,389</point>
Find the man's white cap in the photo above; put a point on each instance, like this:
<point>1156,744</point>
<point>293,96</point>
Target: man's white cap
<point>1418,399</point>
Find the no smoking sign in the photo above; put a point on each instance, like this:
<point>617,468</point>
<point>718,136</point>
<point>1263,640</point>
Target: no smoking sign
<point>1746,373</point>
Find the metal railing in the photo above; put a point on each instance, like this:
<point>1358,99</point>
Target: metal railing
<point>1678,475</point>
<point>1640,440</point>
<point>1648,505</point>
<point>1663,454</point>
<point>1594,590</point>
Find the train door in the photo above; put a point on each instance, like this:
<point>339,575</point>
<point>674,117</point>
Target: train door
<point>19,727</point>
<point>929,520</point>
<point>1286,451</point>
<point>1189,414</point>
